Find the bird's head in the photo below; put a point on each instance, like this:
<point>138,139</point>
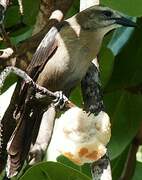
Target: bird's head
<point>102,18</point>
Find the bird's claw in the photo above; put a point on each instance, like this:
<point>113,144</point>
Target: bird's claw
<point>60,100</point>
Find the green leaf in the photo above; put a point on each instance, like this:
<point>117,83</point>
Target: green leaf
<point>12,16</point>
<point>76,96</point>
<point>118,163</point>
<point>138,172</point>
<point>130,7</point>
<point>21,35</point>
<point>120,38</point>
<point>53,171</point>
<point>31,9</point>
<point>62,159</point>
<point>85,169</point>
<point>112,47</point>
<point>106,59</point>
<point>11,79</point>
<point>124,110</point>
<point>74,9</point>
<point>127,69</point>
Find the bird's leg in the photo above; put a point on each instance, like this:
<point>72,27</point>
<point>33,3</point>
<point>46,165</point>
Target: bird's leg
<point>93,103</point>
<point>60,100</point>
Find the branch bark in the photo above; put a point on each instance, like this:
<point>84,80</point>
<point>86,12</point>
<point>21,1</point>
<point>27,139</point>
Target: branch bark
<point>41,96</point>
<point>43,92</point>
<point>4,3</point>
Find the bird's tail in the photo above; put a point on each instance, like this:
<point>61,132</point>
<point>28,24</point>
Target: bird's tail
<point>20,141</point>
<point>25,134</point>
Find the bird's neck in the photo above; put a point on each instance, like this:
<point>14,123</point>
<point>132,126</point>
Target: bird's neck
<point>78,28</point>
<point>74,25</point>
<point>92,38</point>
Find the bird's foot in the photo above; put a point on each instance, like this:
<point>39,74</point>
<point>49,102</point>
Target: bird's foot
<point>60,100</point>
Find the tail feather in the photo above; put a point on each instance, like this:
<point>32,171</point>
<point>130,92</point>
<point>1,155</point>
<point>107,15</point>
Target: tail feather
<point>21,139</point>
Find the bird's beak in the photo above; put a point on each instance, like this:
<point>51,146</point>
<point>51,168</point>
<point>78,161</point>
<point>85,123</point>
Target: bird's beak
<point>125,22</point>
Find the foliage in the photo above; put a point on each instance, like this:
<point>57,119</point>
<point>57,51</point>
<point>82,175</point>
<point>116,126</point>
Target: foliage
<point>121,76</point>
<point>130,7</point>
<point>52,170</point>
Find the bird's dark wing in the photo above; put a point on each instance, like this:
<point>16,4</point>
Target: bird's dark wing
<point>43,52</point>
<point>21,138</point>
<point>20,141</point>
<point>46,48</point>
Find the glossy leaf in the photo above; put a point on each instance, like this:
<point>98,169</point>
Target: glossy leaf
<point>76,96</point>
<point>106,59</point>
<point>54,171</point>
<point>125,112</point>
<point>138,172</point>
<point>120,38</point>
<point>21,35</point>
<point>112,46</point>
<point>30,11</point>
<point>74,9</point>
<point>12,16</point>
<point>118,164</point>
<point>11,79</point>
<point>85,169</point>
<point>130,7</point>
<point>128,67</point>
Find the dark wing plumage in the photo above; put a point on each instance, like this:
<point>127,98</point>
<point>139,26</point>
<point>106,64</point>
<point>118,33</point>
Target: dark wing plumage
<point>25,112</point>
<point>43,52</point>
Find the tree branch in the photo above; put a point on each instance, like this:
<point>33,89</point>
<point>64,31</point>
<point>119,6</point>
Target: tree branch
<point>43,92</point>
<point>4,4</point>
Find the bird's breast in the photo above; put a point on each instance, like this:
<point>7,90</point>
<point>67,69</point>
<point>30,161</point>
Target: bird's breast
<point>69,63</point>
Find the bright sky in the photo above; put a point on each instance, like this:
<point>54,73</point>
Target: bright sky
<point>5,99</point>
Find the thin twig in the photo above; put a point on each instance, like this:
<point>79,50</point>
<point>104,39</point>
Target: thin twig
<point>21,7</point>
<point>130,164</point>
<point>6,53</point>
<point>39,89</point>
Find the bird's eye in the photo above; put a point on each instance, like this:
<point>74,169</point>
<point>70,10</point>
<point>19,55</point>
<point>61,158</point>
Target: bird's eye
<point>107,13</point>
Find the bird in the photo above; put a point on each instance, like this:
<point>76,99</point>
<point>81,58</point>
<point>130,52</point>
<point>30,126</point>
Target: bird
<point>77,42</point>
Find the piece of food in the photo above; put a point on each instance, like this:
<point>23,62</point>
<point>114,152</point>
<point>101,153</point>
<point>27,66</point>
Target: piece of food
<point>82,137</point>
